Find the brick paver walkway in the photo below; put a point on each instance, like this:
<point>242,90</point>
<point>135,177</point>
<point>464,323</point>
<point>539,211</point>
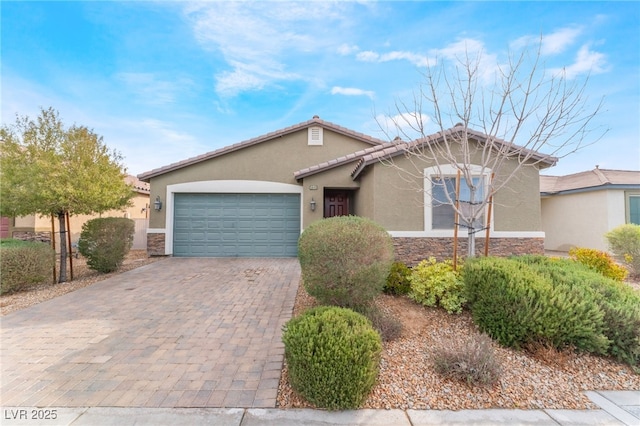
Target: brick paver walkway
<point>175,333</point>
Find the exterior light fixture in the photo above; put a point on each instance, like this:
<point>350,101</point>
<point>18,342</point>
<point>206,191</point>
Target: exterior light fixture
<point>157,204</point>
<point>312,204</point>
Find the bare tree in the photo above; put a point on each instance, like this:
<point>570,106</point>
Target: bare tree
<point>523,113</point>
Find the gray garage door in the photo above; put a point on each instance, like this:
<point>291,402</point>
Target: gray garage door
<point>236,225</point>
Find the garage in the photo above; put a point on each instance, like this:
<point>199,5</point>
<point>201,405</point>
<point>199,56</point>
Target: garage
<point>236,225</point>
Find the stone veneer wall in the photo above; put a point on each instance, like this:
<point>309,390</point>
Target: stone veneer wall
<point>155,244</point>
<point>412,250</point>
<point>43,237</point>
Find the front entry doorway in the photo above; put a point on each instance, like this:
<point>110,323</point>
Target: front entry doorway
<point>338,202</point>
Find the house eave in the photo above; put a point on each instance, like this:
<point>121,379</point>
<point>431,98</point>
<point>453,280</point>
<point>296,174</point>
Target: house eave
<point>604,187</point>
<point>147,176</point>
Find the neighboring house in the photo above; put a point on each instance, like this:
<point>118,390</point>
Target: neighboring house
<point>254,198</point>
<point>578,209</point>
<point>38,228</point>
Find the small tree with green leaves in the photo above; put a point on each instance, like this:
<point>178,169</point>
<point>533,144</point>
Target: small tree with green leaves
<point>49,170</point>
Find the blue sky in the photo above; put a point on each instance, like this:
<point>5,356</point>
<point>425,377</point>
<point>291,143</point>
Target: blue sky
<point>165,81</point>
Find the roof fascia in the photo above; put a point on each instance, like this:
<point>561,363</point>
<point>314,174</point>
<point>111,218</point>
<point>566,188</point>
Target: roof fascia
<point>544,161</point>
<point>147,176</point>
<point>603,187</point>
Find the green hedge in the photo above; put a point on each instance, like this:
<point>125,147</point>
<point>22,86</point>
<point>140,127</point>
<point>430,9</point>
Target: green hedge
<point>516,304</point>
<point>619,303</point>
<point>105,242</point>
<point>23,264</point>
<point>345,260</point>
<point>333,356</point>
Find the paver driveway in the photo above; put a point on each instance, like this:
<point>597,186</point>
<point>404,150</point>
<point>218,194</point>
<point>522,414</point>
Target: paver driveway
<point>176,333</point>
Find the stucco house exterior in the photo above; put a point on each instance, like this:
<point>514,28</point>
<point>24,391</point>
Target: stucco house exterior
<point>578,209</point>
<point>254,198</point>
<point>38,228</point>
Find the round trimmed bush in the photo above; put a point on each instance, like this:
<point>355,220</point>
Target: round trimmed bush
<point>105,242</point>
<point>345,260</point>
<point>333,355</point>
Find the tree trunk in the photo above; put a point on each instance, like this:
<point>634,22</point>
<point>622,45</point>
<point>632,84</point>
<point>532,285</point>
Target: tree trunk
<point>471,231</point>
<point>63,248</point>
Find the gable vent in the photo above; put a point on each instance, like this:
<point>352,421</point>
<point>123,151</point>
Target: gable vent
<point>315,136</point>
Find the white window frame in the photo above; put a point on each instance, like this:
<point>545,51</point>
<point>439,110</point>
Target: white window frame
<point>627,204</point>
<point>448,171</point>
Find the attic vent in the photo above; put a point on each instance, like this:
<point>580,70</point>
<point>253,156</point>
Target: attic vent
<point>315,136</point>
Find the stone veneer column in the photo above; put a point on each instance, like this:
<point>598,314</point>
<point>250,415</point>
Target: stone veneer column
<point>155,244</point>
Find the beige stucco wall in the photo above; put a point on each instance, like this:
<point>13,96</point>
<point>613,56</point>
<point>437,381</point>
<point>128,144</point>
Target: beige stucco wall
<point>273,161</point>
<point>336,178</point>
<point>399,194</point>
<point>138,210</point>
<point>581,219</point>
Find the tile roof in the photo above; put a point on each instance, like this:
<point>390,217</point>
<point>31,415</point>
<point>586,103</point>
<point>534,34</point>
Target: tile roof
<point>308,171</point>
<point>315,121</point>
<point>592,179</point>
<point>138,185</point>
<point>403,147</point>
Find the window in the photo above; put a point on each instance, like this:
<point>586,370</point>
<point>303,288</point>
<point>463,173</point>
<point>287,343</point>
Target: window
<point>633,208</point>
<point>442,212</point>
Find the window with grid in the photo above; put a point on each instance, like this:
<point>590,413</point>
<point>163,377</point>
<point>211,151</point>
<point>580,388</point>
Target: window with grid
<point>442,212</point>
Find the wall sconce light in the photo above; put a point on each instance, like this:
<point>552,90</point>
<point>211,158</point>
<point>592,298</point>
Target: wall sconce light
<point>312,204</point>
<point>157,204</point>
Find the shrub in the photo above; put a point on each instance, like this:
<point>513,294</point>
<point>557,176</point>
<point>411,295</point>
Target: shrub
<point>516,304</point>
<point>333,356</point>
<point>345,260</point>
<point>105,242</point>
<point>390,328</point>
<point>599,261</point>
<point>472,361</point>
<point>437,284</point>
<point>398,280</point>
<point>619,303</point>
<point>624,242</point>
<point>24,264</point>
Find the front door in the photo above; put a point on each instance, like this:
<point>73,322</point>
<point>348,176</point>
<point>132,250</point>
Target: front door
<point>336,202</point>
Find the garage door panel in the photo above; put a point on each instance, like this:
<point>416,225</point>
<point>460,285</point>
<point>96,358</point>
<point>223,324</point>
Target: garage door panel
<point>257,225</point>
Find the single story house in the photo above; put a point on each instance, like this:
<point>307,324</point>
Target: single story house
<point>38,228</point>
<point>578,209</point>
<point>254,198</point>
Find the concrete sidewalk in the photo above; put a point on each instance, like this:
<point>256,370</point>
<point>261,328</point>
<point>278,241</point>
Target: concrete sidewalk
<point>617,408</point>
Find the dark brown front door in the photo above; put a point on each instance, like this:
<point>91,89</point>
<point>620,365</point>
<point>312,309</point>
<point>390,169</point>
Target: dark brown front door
<point>336,203</point>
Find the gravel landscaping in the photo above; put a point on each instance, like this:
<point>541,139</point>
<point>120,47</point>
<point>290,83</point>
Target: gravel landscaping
<point>543,379</point>
<point>83,277</point>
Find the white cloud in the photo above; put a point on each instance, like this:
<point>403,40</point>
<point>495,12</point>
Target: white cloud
<point>368,56</point>
<point>257,38</point>
<point>346,49</point>
<point>406,125</point>
<point>414,58</point>
<point>587,61</point>
<point>351,91</point>
<point>551,44</point>
<point>472,52</point>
